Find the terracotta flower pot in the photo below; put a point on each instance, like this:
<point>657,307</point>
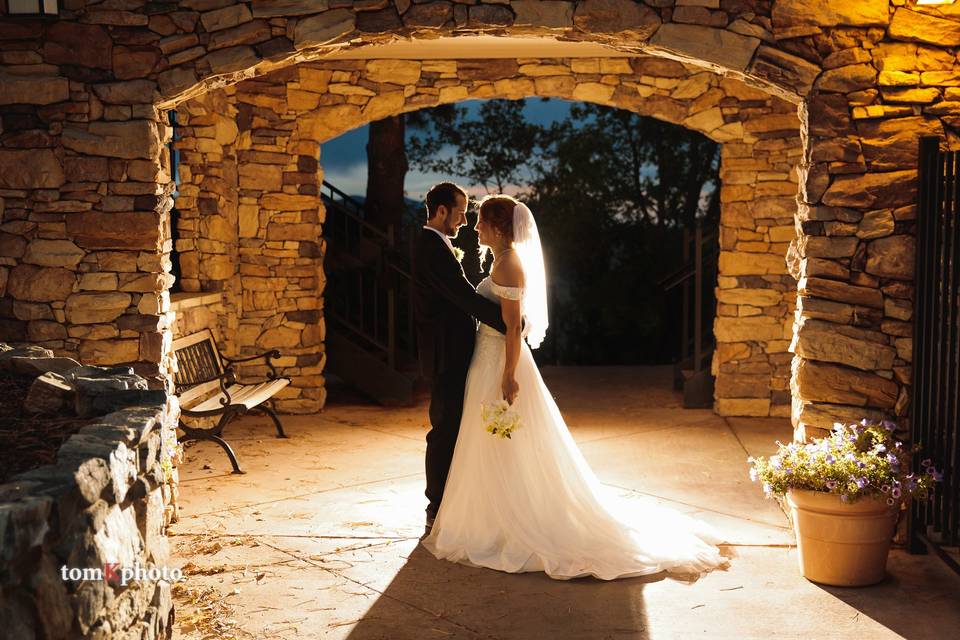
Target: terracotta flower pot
<point>841,544</point>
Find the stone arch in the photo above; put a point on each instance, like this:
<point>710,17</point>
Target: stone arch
<point>84,189</point>
<point>292,110</point>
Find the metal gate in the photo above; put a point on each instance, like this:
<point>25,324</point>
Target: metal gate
<point>935,414</point>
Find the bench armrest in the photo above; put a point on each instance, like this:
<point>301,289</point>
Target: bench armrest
<point>227,377</point>
<point>268,355</point>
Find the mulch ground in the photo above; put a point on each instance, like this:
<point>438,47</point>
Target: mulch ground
<point>28,441</point>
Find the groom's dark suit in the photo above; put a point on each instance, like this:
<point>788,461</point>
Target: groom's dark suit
<point>446,305</point>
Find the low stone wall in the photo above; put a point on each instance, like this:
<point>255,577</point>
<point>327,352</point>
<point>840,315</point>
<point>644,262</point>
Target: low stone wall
<point>107,501</point>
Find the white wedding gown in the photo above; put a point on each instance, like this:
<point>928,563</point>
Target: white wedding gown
<point>531,503</point>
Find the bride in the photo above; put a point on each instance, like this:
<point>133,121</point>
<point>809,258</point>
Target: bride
<point>531,502</point>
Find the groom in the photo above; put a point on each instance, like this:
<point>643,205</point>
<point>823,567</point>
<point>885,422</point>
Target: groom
<point>445,304</point>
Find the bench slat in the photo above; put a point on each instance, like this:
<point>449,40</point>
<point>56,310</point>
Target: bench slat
<point>248,395</point>
<point>197,393</point>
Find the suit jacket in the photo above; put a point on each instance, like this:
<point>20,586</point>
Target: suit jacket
<point>445,305</point>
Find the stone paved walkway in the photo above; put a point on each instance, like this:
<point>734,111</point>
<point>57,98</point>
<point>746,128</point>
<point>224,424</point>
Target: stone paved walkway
<point>320,538</point>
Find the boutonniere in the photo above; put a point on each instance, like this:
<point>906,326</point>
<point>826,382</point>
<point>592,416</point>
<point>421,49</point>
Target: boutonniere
<point>458,254</point>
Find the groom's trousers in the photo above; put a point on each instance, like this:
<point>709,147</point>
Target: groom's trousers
<point>446,409</point>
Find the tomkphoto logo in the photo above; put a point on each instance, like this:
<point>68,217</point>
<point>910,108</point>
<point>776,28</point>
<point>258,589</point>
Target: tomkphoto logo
<point>113,573</point>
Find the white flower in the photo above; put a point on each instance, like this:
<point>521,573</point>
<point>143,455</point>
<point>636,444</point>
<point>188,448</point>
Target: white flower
<point>499,418</point>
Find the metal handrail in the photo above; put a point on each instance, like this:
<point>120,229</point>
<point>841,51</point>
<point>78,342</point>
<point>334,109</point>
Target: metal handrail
<point>694,269</point>
<point>347,203</point>
<point>378,316</point>
<point>686,272</point>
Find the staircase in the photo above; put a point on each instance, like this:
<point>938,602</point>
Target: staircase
<point>696,279</point>
<point>368,304</point>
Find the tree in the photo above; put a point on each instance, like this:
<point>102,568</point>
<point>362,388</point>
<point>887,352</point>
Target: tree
<point>492,150</point>
<point>386,171</point>
<point>613,192</point>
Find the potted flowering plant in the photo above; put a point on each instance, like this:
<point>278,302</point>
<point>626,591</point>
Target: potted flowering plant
<point>845,491</point>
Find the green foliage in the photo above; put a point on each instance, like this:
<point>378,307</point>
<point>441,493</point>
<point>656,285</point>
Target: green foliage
<point>854,461</point>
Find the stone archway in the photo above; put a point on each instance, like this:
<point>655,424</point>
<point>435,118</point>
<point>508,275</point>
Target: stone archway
<point>85,188</point>
<point>288,112</point>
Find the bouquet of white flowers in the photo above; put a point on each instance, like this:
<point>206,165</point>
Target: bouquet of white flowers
<point>499,418</point>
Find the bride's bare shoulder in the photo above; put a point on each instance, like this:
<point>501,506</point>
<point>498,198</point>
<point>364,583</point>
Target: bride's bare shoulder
<point>509,271</point>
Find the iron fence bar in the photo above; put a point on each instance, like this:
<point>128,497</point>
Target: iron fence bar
<point>927,178</point>
<point>931,428</point>
<point>938,442</point>
<point>935,389</point>
<point>951,522</point>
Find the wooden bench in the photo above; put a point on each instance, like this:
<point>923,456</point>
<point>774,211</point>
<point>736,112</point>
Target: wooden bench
<point>206,386</point>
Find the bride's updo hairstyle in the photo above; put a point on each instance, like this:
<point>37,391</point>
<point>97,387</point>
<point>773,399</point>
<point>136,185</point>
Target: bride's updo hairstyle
<point>498,212</point>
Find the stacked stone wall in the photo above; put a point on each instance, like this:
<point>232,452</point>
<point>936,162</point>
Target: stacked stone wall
<point>108,499</point>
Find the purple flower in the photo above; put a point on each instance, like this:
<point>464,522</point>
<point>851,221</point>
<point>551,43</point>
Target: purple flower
<point>767,488</point>
<point>865,422</point>
<point>775,462</point>
<point>937,476</point>
<point>860,465</point>
<point>831,484</point>
<point>830,459</point>
<point>888,425</point>
<point>881,448</point>
<point>862,482</point>
<point>926,463</point>
<point>890,501</point>
<point>753,475</point>
<point>885,488</point>
<point>893,460</point>
<point>896,492</point>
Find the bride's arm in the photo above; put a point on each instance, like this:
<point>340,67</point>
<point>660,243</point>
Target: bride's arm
<point>510,274</point>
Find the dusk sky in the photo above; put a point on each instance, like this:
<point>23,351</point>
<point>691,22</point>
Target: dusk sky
<point>344,159</point>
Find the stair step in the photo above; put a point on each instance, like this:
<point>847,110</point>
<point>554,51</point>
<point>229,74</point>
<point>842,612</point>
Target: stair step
<point>367,373</point>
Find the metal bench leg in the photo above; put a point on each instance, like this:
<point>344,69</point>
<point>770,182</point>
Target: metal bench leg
<point>268,409</point>
<point>193,433</point>
<point>230,454</point>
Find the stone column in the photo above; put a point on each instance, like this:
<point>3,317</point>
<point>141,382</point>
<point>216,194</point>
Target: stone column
<point>854,260</point>
<point>208,204</point>
<point>280,236</point>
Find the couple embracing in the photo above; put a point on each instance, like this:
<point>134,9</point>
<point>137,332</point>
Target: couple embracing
<point>531,502</point>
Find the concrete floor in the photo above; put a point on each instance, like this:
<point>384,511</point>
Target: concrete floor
<point>320,538</point>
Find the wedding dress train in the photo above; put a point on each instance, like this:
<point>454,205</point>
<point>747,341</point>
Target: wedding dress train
<point>531,503</point>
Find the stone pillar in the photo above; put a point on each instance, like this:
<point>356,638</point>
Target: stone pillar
<point>755,295</point>
<point>280,230</point>
<point>854,260</point>
<point>251,227</point>
<point>207,241</point>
